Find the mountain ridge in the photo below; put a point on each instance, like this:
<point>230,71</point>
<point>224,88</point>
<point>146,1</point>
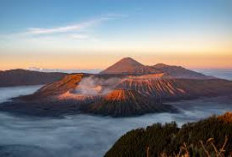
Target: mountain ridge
<point>130,66</point>
<point>19,77</point>
<point>139,89</point>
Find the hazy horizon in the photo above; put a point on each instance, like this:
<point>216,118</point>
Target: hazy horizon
<point>96,70</point>
<point>95,34</point>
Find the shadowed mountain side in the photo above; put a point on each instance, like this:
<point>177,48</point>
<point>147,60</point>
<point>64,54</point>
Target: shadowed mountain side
<point>179,72</point>
<point>122,102</point>
<point>118,103</point>
<point>207,88</point>
<point>51,108</point>
<point>214,133</point>
<point>20,77</point>
<point>177,89</point>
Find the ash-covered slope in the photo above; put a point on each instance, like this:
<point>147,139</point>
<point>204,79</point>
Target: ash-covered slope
<point>157,88</point>
<point>69,82</point>
<point>128,66</point>
<point>162,89</point>
<point>122,102</point>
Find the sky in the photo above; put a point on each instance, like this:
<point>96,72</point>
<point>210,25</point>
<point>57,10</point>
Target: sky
<point>93,34</point>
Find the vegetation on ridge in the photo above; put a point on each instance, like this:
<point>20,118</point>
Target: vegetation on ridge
<point>168,139</point>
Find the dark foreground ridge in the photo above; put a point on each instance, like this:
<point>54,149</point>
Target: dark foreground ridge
<point>193,139</point>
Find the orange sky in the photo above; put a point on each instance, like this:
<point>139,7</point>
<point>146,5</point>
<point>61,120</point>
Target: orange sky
<point>103,60</point>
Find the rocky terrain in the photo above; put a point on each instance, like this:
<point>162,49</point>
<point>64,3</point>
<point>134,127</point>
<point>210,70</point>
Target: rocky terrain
<point>122,102</point>
<point>125,89</point>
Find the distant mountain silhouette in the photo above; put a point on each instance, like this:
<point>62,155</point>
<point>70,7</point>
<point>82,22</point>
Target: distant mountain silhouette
<point>20,77</point>
<point>179,72</point>
<point>128,66</point>
<point>131,66</point>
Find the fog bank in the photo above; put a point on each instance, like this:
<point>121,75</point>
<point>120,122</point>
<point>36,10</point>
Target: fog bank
<point>84,135</point>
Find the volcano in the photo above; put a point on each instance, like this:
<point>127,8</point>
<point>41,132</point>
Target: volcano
<point>124,89</point>
<point>128,66</point>
<point>122,102</point>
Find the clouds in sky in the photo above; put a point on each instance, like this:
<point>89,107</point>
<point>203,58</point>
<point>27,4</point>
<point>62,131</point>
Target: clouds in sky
<point>76,31</point>
<point>69,28</point>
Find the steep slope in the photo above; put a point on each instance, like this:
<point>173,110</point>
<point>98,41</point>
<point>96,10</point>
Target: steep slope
<point>176,89</point>
<point>156,88</point>
<point>19,77</point>
<point>179,72</point>
<point>69,82</point>
<point>127,96</point>
<point>128,66</point>
<point>169,139</point>
<point>121,102</point>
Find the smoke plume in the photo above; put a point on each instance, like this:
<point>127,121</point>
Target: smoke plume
<point>96,86</point>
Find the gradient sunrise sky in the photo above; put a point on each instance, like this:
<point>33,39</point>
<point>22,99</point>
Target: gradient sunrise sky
<point>90,34</point>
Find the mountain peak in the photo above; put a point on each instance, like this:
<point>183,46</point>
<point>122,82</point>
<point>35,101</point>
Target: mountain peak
<point>129,60</point>
<point>124,66</point>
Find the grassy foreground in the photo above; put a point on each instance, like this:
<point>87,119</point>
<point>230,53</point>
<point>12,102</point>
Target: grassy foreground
<point>205,138</point>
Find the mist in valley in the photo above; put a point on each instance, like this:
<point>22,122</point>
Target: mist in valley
<point>83,135</point>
